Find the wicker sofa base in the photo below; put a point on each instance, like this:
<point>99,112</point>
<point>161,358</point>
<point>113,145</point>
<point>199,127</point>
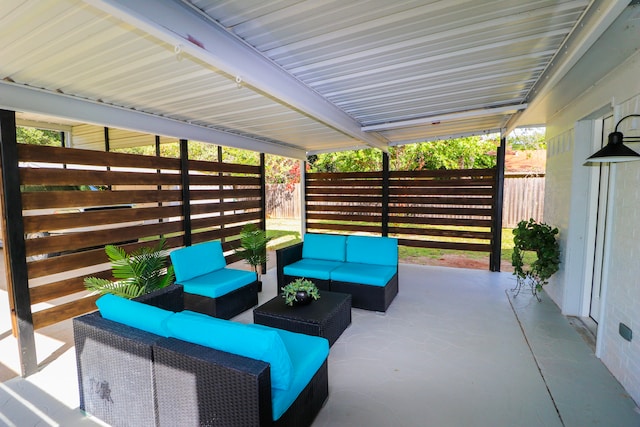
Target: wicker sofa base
<point>226,306</point>
<point>305,408</point>
<point>129,377</point>
<point>367,297</point>
<point>237,378</point>
<point>115,371</point>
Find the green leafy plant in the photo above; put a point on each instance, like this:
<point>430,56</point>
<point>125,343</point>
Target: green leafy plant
<point>540,239</point>
<point>253,246</point>
<point>299,285</point>
<point>142,271</point>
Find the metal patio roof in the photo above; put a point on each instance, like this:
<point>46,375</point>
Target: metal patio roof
<point>293,77</point>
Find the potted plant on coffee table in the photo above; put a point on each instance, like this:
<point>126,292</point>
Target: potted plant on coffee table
<point>300,292</point>
<point>253,248</point>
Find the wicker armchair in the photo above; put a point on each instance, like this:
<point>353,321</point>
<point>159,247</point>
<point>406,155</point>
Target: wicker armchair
<point>128,377</point>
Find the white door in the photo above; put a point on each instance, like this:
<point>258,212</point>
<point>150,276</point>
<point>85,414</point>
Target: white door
<point>603,193</point>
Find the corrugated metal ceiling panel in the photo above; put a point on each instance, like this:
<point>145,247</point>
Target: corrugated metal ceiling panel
<point>380,62</point>
<point>73,49</point>
<point>391,61</point>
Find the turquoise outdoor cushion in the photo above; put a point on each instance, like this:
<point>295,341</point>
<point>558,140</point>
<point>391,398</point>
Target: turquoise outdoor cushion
<point>236,338</point>
<point>219,282</point>
<point>196,260</point>
<point>307,354</point>
<point>133,313</point>
<point>330,247</point>
<point>365,274</point>
<point>311,268</point>
<point>372,250</point>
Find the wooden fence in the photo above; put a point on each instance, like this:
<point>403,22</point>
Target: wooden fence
<point>94,198</point>
<point>444,209</point>
<point>523,199</point>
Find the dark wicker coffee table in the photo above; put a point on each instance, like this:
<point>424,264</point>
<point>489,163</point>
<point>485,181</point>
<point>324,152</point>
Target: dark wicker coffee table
<point>326,317</point>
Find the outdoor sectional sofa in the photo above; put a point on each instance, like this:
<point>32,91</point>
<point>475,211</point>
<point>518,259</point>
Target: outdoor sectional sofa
<point>364,266</point>
<point>210,287</point>
<point>145,362</point>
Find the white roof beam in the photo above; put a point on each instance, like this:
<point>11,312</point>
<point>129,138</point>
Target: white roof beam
<point>179,25</point>
<point>445,136</point>
<point>507,109</point>
<point>23,98</point>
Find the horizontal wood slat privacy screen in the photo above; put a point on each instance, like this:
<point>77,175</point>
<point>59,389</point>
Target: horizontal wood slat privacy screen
<point>77,201</point>
<point>443,209</point>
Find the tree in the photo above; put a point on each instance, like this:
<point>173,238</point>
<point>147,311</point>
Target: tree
<point>528,139</point>
<point>365,160</point>
<point>459,153</point>
<point>28,135</point>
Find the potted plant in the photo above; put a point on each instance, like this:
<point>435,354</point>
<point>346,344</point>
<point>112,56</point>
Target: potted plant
<point>539,239</point>
<point>142,271</point>
<point>300,292</point>
<point>253,248</point>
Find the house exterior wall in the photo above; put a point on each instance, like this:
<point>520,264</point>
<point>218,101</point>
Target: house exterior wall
<point>623,286</point>
<point>617,93</point>
<point>557,191</point>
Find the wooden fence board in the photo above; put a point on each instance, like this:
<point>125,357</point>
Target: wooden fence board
<point>64,311</point>
<point>523,198</point>
<point>139,199</point>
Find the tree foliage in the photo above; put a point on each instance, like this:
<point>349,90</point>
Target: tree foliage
<point>29,135</point>
<point>527,139</point>
<point>460,153</point>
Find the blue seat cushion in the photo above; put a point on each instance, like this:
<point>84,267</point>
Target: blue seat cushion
<point>307,354</point>
<point>218,283</point>
<point>365,274</point>
<point>236,338</point>
<point>197,260</point>
<point>372,250</point>
<point>311,268</point>
<point>329,247</point>
<point>133,313</point>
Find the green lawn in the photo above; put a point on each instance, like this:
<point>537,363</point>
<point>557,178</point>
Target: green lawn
<point>287,232</point>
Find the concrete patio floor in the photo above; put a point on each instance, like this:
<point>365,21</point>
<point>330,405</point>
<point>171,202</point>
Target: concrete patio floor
<point>454,349</point>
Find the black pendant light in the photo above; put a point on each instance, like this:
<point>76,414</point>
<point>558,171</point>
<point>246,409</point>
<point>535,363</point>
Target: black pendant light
<point>615,151</point>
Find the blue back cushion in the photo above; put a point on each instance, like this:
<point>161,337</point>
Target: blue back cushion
<point>236,338</point>
<point>372,250</point>
<point>133,313</point>
<point>330,247</point>
<point>196,260</point>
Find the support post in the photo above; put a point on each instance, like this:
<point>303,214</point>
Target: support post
<point>263,202</point>
<point>107,144</point>
<point>221,188</point>
<point>15,249</point>
<point>303,198</point>
<point>385,194</point>
<point>186,199</point>
<point>498,201</point>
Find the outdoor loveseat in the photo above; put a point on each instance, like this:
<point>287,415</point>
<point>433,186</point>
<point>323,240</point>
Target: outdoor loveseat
<point>364,266</point>
<point>153,364</point>
<point>210,287</point>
